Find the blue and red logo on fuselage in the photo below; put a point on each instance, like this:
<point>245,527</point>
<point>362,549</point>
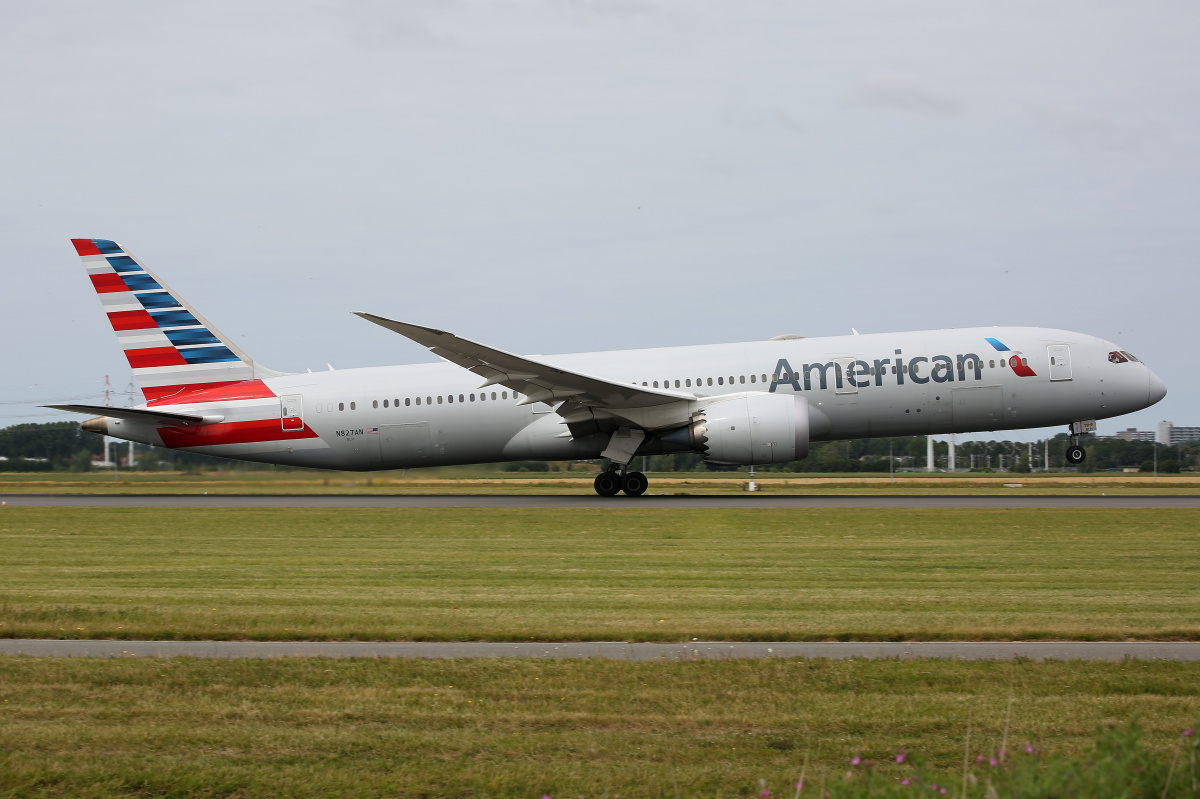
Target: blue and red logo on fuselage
<point>1018,364</point>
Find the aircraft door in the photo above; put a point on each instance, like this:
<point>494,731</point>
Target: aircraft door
<point>1060,361</point>
<point>405,445</point>
<point>977,408</point>
<point>292,411</point>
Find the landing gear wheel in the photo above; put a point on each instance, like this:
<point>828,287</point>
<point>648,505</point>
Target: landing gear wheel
<point>607,484</point>
<point>634,484</point>
<point>1075,454</point>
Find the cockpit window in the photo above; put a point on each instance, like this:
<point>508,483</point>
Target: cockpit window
<point>1117,357</point>
<point>1130,356</point>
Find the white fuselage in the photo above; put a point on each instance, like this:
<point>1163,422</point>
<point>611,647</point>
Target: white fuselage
<point>874,385</point>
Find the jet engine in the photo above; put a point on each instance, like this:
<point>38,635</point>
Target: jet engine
<point>754,429</point>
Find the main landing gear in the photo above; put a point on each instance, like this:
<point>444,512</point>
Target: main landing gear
<point>610,483</point>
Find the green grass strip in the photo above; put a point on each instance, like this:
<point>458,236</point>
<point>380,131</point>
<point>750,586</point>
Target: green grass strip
<point>633,574</point>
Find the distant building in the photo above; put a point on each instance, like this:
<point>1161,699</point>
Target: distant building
<point>1171,435</point>
<point>1133,434</point>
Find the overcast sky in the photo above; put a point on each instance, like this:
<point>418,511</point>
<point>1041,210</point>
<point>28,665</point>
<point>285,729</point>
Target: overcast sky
<point>569,176</point>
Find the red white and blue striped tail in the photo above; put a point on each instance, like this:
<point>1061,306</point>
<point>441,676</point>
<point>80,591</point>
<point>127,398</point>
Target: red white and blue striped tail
<point>171,348</point>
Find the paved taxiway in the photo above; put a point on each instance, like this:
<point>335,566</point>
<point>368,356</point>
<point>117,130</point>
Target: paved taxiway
<point>614,650</point>
<point>592,501</point>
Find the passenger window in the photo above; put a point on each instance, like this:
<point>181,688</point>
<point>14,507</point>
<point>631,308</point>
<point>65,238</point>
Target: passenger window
<point>731,380</point>
<point>396,402</point>
<point>1003,363</point>
<point>353,406</point>
<point>751,378</point>
<point>656,384</point>
<point>429,400</point>
<point>460,397</point>
<point>904,369</point>
<point>676,384</point>
<point>991,364</point>
<point>439,399</point>
<point>764,378</point>
<point>493,395</point>
<point>329,407</point>
<point>688,382</point>
<point>710,381</point>
<point>1024,361</point>
<point>872,371</point>
<point>418,400</point>
<point>503,395</point>
<point>720,381</point>
<point>406,400</point>
<point>341,406</point>
<point>742,379</point>
<point>472,398</point>
<point>450,399</point>
<point>374,403</point>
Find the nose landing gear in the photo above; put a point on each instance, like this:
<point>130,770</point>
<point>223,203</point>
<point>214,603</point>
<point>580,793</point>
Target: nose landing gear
<point>1075,454</point>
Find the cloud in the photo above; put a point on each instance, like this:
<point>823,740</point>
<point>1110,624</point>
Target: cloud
<point>905,93</point>
<point>765,117</point>
<point>1083,129</point>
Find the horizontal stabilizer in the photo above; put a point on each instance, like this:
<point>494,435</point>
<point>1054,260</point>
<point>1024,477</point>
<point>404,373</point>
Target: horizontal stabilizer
<point>137,414</point>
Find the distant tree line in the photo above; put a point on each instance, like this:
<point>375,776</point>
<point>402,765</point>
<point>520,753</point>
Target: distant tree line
<point>63,446</point>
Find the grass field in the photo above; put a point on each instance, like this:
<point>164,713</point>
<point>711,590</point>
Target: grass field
<point>660,575</point>
<point>312,727</point>
<point>478,480</point>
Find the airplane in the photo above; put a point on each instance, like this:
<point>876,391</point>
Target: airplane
<point>752,403</point>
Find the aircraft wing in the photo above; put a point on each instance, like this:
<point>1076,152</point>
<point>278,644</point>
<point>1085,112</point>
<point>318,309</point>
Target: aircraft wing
<point>133,414</point>
<point>534,380</point>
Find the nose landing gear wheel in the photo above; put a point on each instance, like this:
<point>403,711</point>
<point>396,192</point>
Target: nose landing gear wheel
<point>1075,454</point>
<point>607,484</point>
<point>634,484</point>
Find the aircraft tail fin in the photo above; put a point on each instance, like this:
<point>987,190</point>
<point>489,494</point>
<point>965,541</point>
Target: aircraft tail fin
<point>171,348</point>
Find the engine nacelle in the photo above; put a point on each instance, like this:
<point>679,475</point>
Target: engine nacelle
<point>754,429</point>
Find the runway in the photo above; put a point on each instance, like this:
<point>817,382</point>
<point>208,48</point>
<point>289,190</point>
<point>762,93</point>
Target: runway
<point>615,650</point>
<point>591,501</point>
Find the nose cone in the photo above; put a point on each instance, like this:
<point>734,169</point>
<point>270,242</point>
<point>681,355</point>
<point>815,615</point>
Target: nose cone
<point>1158,389</point>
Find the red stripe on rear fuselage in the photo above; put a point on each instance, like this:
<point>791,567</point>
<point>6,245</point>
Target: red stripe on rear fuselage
<point>207,392</point>
<point>232,433</point>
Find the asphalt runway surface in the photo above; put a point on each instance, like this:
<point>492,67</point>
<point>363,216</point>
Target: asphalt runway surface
<point>615,650</point>
<point>592,501</point>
